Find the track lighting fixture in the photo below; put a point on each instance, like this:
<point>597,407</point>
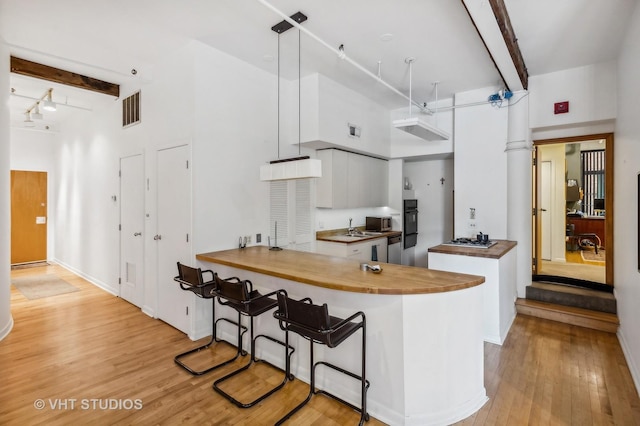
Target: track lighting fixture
<point>34,110</point>
<point>49,105</point>
<point>36,114</point>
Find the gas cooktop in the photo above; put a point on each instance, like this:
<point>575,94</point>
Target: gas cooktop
<point>467,242</point>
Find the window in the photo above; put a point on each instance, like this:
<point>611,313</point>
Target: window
<point>593,180</point>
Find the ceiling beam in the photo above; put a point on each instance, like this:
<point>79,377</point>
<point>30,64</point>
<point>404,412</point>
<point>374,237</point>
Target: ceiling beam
<point>510,39</point>
<point>45,72</point>
<point>486,23</point>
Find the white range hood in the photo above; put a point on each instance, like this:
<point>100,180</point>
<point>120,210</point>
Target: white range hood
<point>421,129</point>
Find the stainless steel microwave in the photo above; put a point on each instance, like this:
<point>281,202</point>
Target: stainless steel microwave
<point>378,223</point>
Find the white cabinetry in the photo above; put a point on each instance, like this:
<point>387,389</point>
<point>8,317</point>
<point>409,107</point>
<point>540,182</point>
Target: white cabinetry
<point>292,209</point>
<point>361,251</point>
<point>351,180</point>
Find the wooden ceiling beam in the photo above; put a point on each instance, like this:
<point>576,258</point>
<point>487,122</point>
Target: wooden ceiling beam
<point>510,39</point>
<point>45,72</point>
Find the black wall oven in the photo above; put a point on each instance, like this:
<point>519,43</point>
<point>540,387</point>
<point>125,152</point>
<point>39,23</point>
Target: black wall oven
<point>410,223</point>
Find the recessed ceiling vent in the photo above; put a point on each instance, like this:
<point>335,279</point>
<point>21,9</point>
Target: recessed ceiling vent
<point>131,110</point>
<point>415,125</point>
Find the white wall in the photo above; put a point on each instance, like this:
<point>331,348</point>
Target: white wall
<point>85,216</point>
<point>6,321</point>
<point>435,203</point>
<point>590,90</point>
<point>235,133</point>
<point>480,170</point>
<point>627,167</point>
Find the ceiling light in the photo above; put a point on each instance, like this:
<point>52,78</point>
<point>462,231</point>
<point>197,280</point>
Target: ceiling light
<point>49,105</point>
<point>36,114</point>
<point>416,126</point>
<point>386,37</point>
<point>302,166</point>
<point>28,122</point>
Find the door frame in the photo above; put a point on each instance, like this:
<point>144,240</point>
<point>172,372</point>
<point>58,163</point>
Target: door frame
<point>609,185</point>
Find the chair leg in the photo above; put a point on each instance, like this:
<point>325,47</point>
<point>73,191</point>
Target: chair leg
<point>364,415</point>
<point>312,387</point>
<point>214,339</point>
<point>287,372</point>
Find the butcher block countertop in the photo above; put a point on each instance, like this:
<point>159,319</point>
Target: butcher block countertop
<point>340,273</point>
<point>494,252</point>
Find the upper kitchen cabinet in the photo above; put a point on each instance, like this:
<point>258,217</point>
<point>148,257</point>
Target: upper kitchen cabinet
<point>351,180</point>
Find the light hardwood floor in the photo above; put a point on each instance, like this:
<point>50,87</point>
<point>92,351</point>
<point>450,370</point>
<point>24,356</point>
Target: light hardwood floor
<point>575,267</point>
<point>92,345</point>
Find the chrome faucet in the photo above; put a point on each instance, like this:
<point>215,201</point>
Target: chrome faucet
<point>350,230</point>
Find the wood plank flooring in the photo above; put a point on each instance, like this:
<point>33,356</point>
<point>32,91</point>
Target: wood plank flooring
<point>90,345</point>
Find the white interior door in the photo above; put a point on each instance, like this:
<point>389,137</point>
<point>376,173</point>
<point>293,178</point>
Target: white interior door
<point>131,226</point>
<point>545,209</point>
<point>173,239</point>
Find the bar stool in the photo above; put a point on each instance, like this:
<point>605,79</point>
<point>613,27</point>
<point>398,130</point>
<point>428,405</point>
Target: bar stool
<point>314,323</point>
<point>241,296</point>
<point>191,279</point>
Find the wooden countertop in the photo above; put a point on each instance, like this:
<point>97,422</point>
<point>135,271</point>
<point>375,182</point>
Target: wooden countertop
<point>340,273</point>
<point>494,252</point>
<point>339,236</point>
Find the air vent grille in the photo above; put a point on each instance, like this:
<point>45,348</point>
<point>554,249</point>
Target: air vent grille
<point>131,110</point>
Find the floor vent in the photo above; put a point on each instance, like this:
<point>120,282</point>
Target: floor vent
<point>131,110</point>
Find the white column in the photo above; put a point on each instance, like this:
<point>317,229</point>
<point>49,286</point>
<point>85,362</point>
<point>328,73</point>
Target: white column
<point>6,321</point>
<point>519,191</point>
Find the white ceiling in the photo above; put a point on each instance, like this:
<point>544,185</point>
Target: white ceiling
<point>107,39</point>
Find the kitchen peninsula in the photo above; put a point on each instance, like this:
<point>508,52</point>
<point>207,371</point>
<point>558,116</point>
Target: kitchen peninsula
<point>498,265</point>
<point>425,353</point>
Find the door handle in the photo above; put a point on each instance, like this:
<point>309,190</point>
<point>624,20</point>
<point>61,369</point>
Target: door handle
<point>157,237</point>
<point>136,234</point>
<point>543,210</point>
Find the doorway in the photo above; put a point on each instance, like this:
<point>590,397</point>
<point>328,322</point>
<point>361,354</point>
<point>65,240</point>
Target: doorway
<point>573,208</point>
<point>131,226</point>
<point>28,216</point>
<point>173,240</point>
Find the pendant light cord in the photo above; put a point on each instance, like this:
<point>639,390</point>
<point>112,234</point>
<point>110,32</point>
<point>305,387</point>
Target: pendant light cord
<point>278,149</point>
<point>299,92</point>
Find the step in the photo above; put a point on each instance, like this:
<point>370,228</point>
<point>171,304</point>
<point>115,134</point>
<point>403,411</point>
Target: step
<point>579,297</point>
<point>596,320</point>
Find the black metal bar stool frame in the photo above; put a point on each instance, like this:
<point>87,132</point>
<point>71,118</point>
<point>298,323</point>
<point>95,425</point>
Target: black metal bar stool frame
<point>192,279</point>
<point>249,302</point>
<point>314,323</point>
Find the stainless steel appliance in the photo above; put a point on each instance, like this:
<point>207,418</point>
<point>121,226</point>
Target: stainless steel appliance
<point>468,242</point>
<point>394,253</point>
<point>378,223</point>
<point>410,223</point>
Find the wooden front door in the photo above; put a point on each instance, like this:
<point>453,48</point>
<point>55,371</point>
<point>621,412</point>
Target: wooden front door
<point>28,216</point>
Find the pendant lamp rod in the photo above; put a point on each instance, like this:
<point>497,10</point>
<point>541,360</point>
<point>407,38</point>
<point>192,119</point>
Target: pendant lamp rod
<point>299,92</point>
<point>340,54</point>
<point>278,150</point>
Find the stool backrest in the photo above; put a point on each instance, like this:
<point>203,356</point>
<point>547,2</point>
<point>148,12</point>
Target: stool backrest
<point>234,290</point>
<point>190,275</point>
<point>298,312</point>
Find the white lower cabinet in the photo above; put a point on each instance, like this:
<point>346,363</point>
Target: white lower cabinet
<point>362,251</point>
